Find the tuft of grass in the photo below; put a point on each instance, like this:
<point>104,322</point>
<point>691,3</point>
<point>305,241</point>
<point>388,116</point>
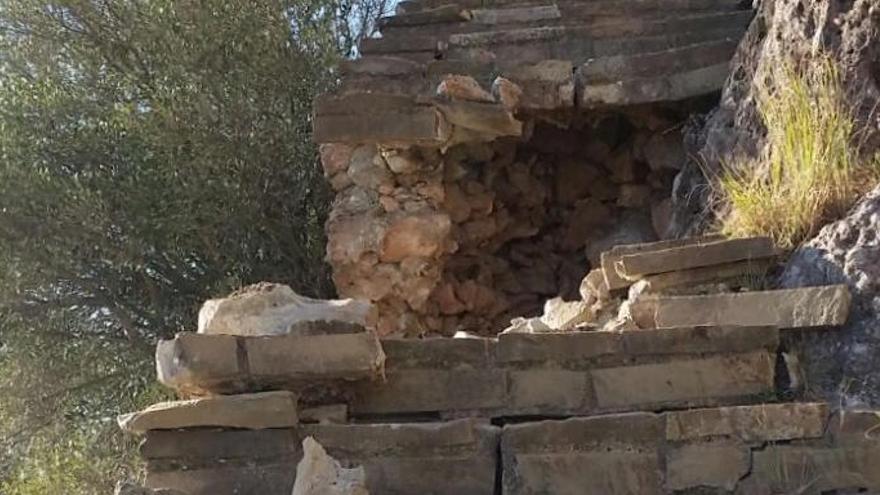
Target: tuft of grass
<point>812,172</point>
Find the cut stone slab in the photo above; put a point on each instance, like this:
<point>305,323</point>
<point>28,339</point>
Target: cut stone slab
<point>293,359</point>
<point>200,364</point>
<point>608,454</point>
<point>813,469</point>
<point>694,381</point>
<point>760,423</point>
<point>637,265</point>
<point>275,309</point>
<point>790,308</point>
<point>319,474</point>
<point>576,349</point>
<point>671,87</point>
<point>195,363</point>
<point>448,458</point>
<point>711,464</point>
<point>750,269</point>
<point>248,411</point>
<point>610,258</point>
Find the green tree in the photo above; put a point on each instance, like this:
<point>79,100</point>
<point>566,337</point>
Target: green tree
<point>153,153</point>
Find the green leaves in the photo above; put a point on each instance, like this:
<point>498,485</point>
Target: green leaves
<point>153,154</point>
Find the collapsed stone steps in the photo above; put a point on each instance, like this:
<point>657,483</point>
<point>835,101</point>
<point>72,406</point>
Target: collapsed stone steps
<point>765,448</point>
<point>661,409</point>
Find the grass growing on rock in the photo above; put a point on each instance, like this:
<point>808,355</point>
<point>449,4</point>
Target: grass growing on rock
<point>811,172</point>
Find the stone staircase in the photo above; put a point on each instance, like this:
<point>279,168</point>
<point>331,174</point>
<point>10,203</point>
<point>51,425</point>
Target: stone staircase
<point>560,55</point>
<point>669,408</point>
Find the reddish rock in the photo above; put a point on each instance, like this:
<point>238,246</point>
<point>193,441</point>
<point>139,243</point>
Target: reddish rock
<point>417,235</point>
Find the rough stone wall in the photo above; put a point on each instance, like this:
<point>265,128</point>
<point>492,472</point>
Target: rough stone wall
<point>469,238</point>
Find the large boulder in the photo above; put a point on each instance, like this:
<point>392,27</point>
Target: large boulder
<point>795,32</point>
<point>274,309</point>
<point>843,365</point>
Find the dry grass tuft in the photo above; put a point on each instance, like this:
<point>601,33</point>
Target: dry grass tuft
<point>812,172</point>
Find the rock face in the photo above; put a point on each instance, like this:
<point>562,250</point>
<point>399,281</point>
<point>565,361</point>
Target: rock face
<point>784,31</point>
<point>319,474</point>
<point>273,309</point>
<point>841,366</point>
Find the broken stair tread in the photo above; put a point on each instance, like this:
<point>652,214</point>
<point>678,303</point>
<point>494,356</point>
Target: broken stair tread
<point>605,29</point>
<point>807,307</point>
<point>608,259</point>
<point>752,423</point>
<point>620,67</point>
<point>749,269</point>
<point>199,363</point>
<point>671,87</point>
<point>413,6</point>
<point>637,265</point>
<point>246,411</point>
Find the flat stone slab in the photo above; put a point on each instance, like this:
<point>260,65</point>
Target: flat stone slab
<point>247,411</point>
<point>718,464</point>
<point>748,270</point>
<point>609,454</point>
<point>609,259</point>
<point>200,363</point>
<point>790,308</point>
<point>671,259</point>
<point>758,423</point>
<point>695,381</point>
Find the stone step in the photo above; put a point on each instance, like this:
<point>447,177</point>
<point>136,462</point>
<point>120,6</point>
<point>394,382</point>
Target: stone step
<point>809,307</point>
<point>199,363</point>
<point>668,62</point>
<point>673,87</point>
<point>570,373</point>
<point>446,13</point>
<point>760,448</point>
<point>457,457</point>
<point>536,45</point>
<point>693,255</point>
<point>247,411</point>
<point>407,7</point>
<point>388,119</point>
<point>583,19</point>
<point>610,258</point>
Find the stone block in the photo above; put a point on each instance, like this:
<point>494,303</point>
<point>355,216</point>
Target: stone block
<point>274,478</point>
<point>333,413</point>
<point>621,67</point>
<point>747,270</point>
<point>789,308</point>
<point>274,309</point>
<point>605,454</point>
<point>456,457</point>
<point>854,427</point>
<point>557,347</point>
<point>431,390</point>
<point>194,363</point>
<point>610,258</point>
<point>578,349</point>
<point>673,87</point>
<point>439,353</point>
<point>516,15</point>
<point>248,411</point>
<point>489,119</point>
<point>718,464</point>
<point>692,381</point>
<point>295,359</point>
<point>758,423</point>
<point>699,340</point>
<point>637,265</point>
<point>211,446</point>
<point>420,125</point>
<point>813,470</point>
<point>549,392</point>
